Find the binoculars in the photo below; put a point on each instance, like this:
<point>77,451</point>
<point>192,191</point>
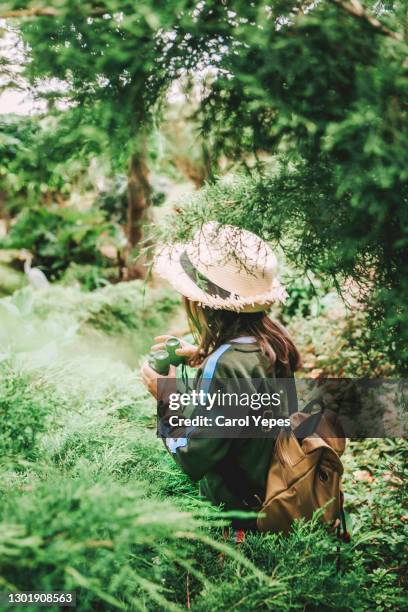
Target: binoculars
<point>162,360</point>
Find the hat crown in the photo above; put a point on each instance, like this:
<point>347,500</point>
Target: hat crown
<point>233,258</point>
<point>223,266</point>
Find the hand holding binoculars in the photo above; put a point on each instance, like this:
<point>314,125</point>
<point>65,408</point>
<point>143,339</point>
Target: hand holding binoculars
<point>162,360</point>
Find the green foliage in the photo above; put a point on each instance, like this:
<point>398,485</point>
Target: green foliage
<point>323,87</point>
<point>42,157</point>
<point>292,209</point>
<point>121,320</point>
<point>305,296</point>
<point>91,58</point>
<point>306,572</point>
<point>25,336</point>
<point>104,540</point>
<point>80,516</point>
<point>183,149</point>
<point>16,138</point>
<point>88,276</point>
<point>384,506</point>
<point>10,279</point>
<point>113,199</point>
<point>119,310</point>
<point>337,342</point>
<point>326,89</point>
<point>23,412</point>
<point>104,510</point>
<point>114,309</point>
<point>56,237</point>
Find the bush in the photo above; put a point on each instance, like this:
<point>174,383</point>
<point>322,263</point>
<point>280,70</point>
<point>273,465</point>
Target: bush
<point>57,237</point>
<point>337,342</point>
<point>304,296</point>
<point>89,277</point>
<point>24,408</point>
<point>114,309</point>
<point>120,320</point>
<point>102,539</point>
<point>129,307</point>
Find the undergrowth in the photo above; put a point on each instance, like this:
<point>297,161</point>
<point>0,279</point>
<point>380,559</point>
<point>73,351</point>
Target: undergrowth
<point>91,502</point>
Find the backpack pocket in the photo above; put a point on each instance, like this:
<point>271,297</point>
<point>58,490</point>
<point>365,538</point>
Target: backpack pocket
<point>312,483</point>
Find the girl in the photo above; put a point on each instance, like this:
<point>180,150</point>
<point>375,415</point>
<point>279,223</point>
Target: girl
<point>227,277</point>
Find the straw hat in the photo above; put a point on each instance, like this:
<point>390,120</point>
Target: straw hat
<point>223,267</point>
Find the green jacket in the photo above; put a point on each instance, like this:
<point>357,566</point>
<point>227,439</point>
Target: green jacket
<point>202,458</point>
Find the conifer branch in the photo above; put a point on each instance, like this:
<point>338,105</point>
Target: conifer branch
<point>355,8</point>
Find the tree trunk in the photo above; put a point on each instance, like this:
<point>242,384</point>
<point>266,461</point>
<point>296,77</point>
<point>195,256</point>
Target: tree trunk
<point>139,194</point>
<point>198,171</point>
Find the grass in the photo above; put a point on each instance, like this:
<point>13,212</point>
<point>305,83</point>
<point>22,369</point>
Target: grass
<point>91,502</point>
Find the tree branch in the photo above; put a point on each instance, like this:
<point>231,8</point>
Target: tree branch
<point>44,12</point>
<point>32,12</point>
<point>355,8</point>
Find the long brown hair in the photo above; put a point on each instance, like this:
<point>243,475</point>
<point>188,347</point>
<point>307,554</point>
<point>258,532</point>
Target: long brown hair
<point>211,328</point>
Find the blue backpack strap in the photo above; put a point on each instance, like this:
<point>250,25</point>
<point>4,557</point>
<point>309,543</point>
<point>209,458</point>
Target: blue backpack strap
<point>174,443</point>
<point>210,366</point>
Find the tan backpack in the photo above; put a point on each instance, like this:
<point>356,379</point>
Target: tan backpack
<point>305,474</point>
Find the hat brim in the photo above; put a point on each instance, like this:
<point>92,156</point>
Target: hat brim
<point>167,265</point>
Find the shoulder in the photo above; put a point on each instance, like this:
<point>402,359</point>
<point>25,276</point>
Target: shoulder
<point>230,360</point>
<point>218,360</point>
